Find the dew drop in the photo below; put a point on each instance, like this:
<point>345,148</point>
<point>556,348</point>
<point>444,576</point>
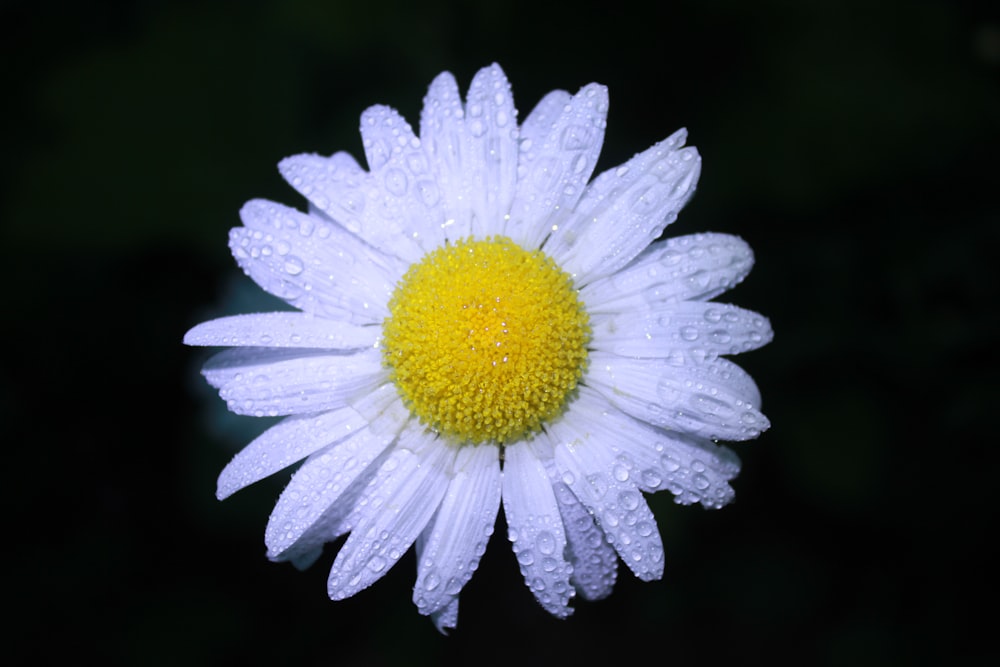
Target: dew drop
<point>546,542</point>
<point>721,337</point>
<point>629,500</point>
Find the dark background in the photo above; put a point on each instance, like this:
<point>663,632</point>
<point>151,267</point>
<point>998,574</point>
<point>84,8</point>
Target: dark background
<point>853,144</point>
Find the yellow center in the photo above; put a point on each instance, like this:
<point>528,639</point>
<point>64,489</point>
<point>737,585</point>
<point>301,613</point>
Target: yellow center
<point>485,340</point>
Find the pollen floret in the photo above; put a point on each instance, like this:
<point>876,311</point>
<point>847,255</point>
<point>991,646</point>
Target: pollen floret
<point>485,340</point>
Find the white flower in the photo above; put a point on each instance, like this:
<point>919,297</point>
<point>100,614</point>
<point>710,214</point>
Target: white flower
<point>478,323</point>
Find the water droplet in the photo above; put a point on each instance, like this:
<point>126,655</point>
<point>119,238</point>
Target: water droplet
<point>546,542</point>
<point>293,265</point>
<point>721,336</point>
<point>575,137</point>
<point>395,181</point>
<point>599,484</point>
<point>629,499</point>
<point>670,462</point>
<point>651,478</point>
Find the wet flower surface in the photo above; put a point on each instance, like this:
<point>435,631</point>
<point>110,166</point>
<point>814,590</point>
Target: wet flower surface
<point>479,323</point>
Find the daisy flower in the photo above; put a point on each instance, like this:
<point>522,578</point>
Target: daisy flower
<point>479,323</point>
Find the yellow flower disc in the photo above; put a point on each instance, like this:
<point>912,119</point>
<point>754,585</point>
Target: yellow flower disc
<point>485,340</point>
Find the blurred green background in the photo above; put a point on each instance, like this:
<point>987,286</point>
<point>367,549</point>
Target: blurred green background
<point>853,144</point>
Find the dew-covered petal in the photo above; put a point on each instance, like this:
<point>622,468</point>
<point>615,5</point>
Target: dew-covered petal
<point>334,514</point>
<point>693,469</point>
<point>313,264</point>
<point>347,195</point>
<point>711,398</point>
<point>586,465</point>
<point>336,185</point>
<point>708,327</point>
<point>489,154</point>
<point>442,134</point>
<point>558,152</point>
<point>538,124</point>
<point>593,559</point>
<point>283,444</point>
<point>396,506</point>
<point>405,195</point>
<point>270,382</point>
<point>446,618</point>
<point>283,329</point>
<point>694,267</point>
<point>449,550</point>
<point>625,209</point>
<point>535,529</point>
<point>321,492</point>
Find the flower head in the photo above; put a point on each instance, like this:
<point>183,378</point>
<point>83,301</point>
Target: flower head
<point>479,323</point>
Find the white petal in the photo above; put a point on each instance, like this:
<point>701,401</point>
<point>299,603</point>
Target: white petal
<point>535,529</point>
<point>450,549</point>
<point>711,328</point>
<point>695,267</point>
<point>312,264</point>
<point>560,143</point>
<point>489,154</point>
<point>348,195</point>
<point>396,506</point>
<point>594,560</point>
<point>390,417</point>
<point>711,399</point>
<point>281,329</point>
<point>321,493</point>
<point>586,465</point>
<point>442,134</point>
<point>285,443</point>
<point>625,209</point>
<point>408,199</point>
<point>446,618</point>
<point>693,469</point>
<point>270,382</point>
<point>539,122</point>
